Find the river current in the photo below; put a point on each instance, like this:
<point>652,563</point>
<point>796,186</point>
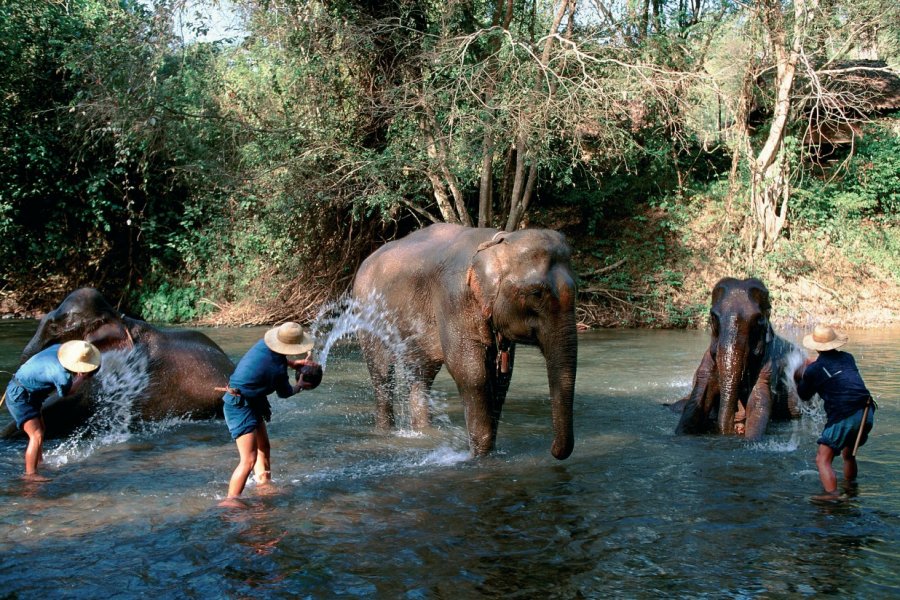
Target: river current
<point>635,512</point>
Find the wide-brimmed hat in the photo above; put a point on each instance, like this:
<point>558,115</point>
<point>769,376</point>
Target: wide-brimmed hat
<point>824,338</point>
<point>288,338</point>
<point>79,356</point>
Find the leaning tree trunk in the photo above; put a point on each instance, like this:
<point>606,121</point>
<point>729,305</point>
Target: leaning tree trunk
<point>768,187</point>
<point>769,193</point>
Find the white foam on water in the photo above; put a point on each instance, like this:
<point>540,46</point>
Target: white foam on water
<point>777,446</point>
<point>444,456</point>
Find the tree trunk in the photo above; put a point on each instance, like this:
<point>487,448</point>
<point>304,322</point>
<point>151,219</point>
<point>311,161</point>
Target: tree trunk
<point>523,189</point>
<point>486,185</point>
<point>769,190</point>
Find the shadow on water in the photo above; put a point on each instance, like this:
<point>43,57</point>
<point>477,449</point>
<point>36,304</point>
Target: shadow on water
<point>635,512</point>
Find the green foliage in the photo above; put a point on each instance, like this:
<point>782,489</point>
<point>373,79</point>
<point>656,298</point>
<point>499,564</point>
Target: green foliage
<point>869,187</point>
<point>128,156</point>
<point>171,304</point>
<point>789,260</point>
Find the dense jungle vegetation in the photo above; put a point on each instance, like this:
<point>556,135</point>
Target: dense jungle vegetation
<point>242,180</point>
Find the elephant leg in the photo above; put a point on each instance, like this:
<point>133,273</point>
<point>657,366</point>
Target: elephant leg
<point>383,380</point>
<point>466,363</point>
<point>695,415</point>
<point>759,405</point>
<point>419,393</point>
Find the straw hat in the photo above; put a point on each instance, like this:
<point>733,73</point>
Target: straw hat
<point>79,356</point>
<point>288,338</point>
<point>824,338</point>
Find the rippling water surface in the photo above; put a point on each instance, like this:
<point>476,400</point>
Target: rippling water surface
<point>634,513</point>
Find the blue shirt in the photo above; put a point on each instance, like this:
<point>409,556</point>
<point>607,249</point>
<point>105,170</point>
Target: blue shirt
<point>42,374</point>
<point>836,379</point>
<point>261,372</point>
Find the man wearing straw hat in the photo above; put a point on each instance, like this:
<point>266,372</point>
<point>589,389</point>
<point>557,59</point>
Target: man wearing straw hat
<point>60,368</point>
<point>849,407</point>
<point>262,371</point>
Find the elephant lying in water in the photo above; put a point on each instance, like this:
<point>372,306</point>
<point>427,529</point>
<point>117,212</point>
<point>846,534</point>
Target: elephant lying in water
<point>465,297</point>
<point>180,369</point>
<point>746,375</point>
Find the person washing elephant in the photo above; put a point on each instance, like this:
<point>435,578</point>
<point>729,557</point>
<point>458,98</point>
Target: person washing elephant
<point>60,368</point>
<point>849,406</point>
<point>262,371</point>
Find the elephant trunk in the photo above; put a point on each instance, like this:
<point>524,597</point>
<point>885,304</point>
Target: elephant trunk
<point>560,349</point>
<point>731,363</point>
<point>36,343</point>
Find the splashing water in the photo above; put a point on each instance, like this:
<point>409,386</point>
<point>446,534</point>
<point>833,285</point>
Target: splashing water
<point>347,317</point>
<point>123,378</point>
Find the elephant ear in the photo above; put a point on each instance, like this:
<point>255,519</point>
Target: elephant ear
<point>759,294</point>
<point>484,276</point>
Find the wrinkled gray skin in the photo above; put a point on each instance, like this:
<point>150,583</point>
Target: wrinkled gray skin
<point>184,366</point>
<point>464,297</point>
<point>742,372</point>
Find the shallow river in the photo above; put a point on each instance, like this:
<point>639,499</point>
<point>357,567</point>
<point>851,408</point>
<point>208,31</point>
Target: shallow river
<point>634,513</point>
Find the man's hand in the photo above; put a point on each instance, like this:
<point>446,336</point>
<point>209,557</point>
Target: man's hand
<point>308,374</point>
<point>798,374</point>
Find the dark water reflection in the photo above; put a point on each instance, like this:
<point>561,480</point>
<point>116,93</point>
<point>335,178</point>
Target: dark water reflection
<point>634,513</point>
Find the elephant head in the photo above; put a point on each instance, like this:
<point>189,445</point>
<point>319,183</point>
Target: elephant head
<point>523,285</point>
<point>740,335</point>
<point>84,314</point>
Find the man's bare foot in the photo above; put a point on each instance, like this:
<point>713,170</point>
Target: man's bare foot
<point>829,497</point>
<point>35,477</point>
<point>266,488</point>
<point>232,502</point>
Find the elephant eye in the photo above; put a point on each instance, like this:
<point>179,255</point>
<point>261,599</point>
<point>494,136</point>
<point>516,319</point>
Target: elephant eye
<point>534,296</point>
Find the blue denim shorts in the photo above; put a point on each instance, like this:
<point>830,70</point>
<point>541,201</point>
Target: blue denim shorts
<point>21,405</point>
<point>842,434</point>
<point>243,415</point>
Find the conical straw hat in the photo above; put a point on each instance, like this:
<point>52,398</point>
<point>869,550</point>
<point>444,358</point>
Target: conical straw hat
<point>79,356</point>
<point>288,338</point>
<point>824,338</point>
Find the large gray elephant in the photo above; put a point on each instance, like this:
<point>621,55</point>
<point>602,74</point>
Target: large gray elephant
<point>745,378</point>
<point>464,297</point>
<point>175,371</point>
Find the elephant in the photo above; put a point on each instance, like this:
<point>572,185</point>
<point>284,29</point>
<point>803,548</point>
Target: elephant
<point>745,378</point>
<point>464,297</point>
<point>169,372</point>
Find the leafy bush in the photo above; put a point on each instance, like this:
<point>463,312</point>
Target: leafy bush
<point>171,304</point>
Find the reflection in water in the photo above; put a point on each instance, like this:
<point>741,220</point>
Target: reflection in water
<point>635,512</point>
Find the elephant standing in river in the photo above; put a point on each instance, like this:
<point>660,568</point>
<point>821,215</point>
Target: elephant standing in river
<point>180,369</point>
<point>465,297</point>
<point>746,375</point>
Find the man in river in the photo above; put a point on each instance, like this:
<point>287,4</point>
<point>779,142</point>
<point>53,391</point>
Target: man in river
<point>836,379</point>
<point>60,368</point>
<point>262,371</point>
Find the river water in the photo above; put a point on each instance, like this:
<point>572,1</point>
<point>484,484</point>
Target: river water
<point>634,513</point>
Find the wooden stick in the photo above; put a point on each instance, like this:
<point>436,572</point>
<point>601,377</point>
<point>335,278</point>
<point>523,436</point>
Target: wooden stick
<point>861,426</point>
